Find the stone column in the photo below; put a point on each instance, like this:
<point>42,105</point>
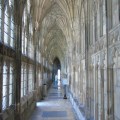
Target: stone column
<point>18,22</point>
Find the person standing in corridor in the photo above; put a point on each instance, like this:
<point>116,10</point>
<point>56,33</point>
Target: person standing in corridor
<point>56,80</point>
<point>65,83</point>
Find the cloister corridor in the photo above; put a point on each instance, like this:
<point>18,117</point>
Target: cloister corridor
<point>72,44</point>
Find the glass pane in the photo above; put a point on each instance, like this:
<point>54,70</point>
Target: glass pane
<point>4,68</point>
<point>4,103</point>
<point>11,74</point>
<point>6,18</point>
<point>10,99</point>
<point>11,79</point>
<point>25,49</point>
<point>22,84</point>
<point>10,89</point>
<point>21,92</point>
<point>5,74</point>
<point>11,69</point>
<point>4,79</point>
<point>12,34</point>
<point>4,91</point>
<point>25,83</point>
<point>6,28</point>
<point>21,77</point>
<point>11,42</point>
<point>6,38</point>
<point>25,91</point>
<point>22,40</point>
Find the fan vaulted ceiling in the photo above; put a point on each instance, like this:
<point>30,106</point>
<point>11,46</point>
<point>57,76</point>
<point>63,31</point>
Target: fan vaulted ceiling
<point>54,21</point>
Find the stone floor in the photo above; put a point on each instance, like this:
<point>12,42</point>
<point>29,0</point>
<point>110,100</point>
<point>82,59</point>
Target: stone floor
<point>54,107</point>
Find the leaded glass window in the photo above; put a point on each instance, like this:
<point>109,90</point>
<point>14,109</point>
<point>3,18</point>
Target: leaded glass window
<point>9,23</point>
<point>6,26</point>
<point>23,79</point>
<point>12,33</point>
<point>30,78</point>
<point>24,33</point>
<point>11,84</point>
<point>5,82</point>
<point>8,84</point>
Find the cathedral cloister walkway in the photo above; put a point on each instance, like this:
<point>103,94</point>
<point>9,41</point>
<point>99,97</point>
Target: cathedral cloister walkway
<point>54,107</point>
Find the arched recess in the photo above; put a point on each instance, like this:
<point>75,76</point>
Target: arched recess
<point>56,67</point>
